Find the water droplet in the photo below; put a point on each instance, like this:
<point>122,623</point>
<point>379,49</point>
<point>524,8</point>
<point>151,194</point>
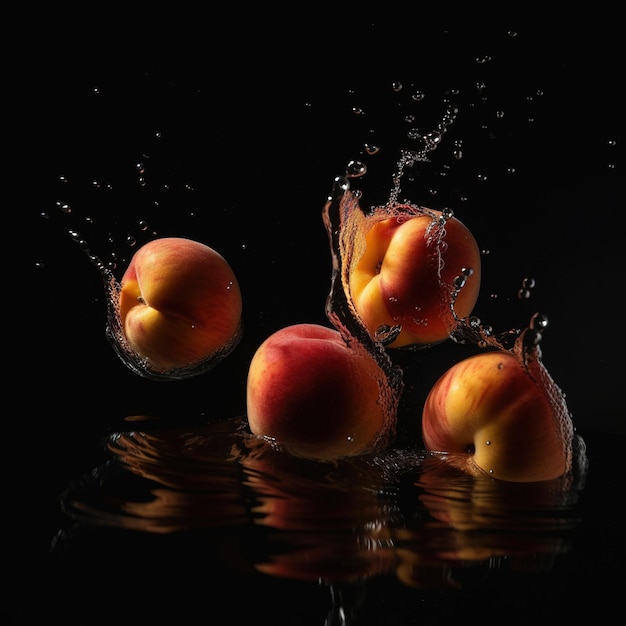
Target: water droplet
<point>433,138</point>
<point>64,207</point>
<point>459,282</point>
<point>539,321</point>
<point>524,291</point>
<point>371,149</point>
<point>474,321</point>
<point>355,169</point>
<point>396,86</point>
<point>386,334</point>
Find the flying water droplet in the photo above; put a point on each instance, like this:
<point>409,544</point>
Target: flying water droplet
<point>539,321</point>
<point>355,169</point>
<point>524,292</point>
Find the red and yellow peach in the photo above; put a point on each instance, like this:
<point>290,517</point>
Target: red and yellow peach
<point>179,304</point>
<point>411,265</point>
<point>315,395</point>
<point>495,415</point>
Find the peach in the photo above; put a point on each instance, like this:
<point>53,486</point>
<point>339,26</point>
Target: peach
<point>315,395</point>
<point>179,304</point>
<point>499,415</point>
<point>410,267</point>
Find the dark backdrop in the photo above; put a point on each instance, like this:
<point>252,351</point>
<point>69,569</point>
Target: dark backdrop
<point>236,143</point>
<point>233,135</point>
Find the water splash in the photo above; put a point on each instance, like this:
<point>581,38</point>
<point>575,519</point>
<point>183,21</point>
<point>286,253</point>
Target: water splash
<point>348,224</point>
<point>425,144</point>
<point>338,214</point>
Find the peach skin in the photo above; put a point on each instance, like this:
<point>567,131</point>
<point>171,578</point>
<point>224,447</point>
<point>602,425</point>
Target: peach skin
<point>411,265</point>
<point>180,304</point>
<point>315,395</point>
<point>496,415</point>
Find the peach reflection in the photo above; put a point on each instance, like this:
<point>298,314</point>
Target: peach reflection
<point>403,513</point>
<point>464,521</point>
<point>187,481</point>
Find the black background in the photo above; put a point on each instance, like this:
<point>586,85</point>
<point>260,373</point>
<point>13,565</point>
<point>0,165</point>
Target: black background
<point>241,129</point>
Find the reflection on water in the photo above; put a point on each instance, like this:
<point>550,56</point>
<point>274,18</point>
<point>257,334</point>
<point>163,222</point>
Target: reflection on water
<point>403,513</point>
